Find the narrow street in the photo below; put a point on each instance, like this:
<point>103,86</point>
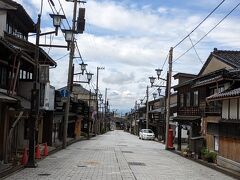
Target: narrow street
<point>117,155</point>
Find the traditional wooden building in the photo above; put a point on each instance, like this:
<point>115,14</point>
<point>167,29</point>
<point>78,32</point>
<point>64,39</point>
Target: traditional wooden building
<point>16,81</point>
<point>188,112</point>
<point>82,107</point>
<point>227,129</point>
<point>216,75</point>
<point>157,117</point>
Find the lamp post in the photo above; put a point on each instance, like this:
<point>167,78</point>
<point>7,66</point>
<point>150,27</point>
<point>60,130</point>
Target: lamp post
<point>35,93</point>
<point>98,68</point>
<point>152,80</point>
<point>105,108</point>
<point>168,95</point>
<point>135,118</point>
<point>147,108</point>
<point>69,36</point>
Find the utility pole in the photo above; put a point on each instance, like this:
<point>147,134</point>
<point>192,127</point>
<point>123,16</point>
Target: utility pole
<point>168,95</point>
<point>135,118</point>
<point>69,83</point>
<point>35,99</point>
<point>89,114</point>
<point>147,108</point>
<point>98,68</point>
<point>105,108</point>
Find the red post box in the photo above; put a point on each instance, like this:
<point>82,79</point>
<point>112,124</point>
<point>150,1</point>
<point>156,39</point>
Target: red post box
<point>170,139</point>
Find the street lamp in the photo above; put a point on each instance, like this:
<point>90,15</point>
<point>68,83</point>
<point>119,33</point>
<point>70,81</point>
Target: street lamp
<point>69,35</point>
<point>35,96</point>
<point>57,19</point>
<point>89,77</point>
<point>154,95</point>
<point>152,79</point>
<point>158,72</point>
<point>159,91</point>
<point>83,67</point>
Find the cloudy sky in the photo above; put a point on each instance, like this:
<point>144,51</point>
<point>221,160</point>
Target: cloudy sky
<point>131,38</point>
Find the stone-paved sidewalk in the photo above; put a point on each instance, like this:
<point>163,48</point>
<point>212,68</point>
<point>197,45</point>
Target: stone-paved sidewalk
<point>117,155</point>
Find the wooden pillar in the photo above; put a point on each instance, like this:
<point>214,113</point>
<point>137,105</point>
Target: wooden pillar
<point>179,148</point>
<point>5,132</point>
<point>1,131</point>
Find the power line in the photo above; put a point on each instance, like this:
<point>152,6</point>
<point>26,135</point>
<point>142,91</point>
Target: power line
<point>199,23</point>
<point>195,50</point>
<point>207,33</point>
<point>165,61</point>
<point>64,13</point>
<point>62,57</point>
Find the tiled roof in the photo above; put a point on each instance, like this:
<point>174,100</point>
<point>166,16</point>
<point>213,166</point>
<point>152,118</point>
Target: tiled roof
<point>208,81</point>
<point>29,48</point>
<point>78,89</point>
<point>19,12</point>
<point>5,6</point>
<point>230,57</point>
<point>225,94</point>
<point>14,49</point>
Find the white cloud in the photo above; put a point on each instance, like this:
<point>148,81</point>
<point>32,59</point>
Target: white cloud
<point>132,42</point>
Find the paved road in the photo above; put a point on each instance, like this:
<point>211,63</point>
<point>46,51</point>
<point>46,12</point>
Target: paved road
<point>118,155</point>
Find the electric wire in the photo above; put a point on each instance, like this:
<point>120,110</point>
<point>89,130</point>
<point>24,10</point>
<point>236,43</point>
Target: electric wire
<point>195,50</point>
<point>62,57</point>
<point>196,27</point>
<point>207,33</point>
<point>64,13</point>
<point>200,23</point>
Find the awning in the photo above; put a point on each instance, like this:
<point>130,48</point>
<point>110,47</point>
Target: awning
<point>186,119</point>
<point>6,98</point>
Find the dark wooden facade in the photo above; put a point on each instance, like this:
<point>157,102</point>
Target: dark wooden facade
<point>16,80</point>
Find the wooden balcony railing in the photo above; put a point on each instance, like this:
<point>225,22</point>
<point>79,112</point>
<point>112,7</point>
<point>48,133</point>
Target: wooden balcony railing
<point>189,111</point>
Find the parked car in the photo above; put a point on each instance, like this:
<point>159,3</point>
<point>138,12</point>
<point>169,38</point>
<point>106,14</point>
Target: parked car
<point>146,134</point>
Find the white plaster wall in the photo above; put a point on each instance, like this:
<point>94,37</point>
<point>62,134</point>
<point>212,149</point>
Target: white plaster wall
<point>225,109</point>
<point>214,65</point>
<point>3,19</point>
<point>226,86</point>
<point>233,109</point>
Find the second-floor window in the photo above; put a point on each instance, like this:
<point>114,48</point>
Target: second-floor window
<point>181,100</point>
<point>11,29</point>
<point>188,97</point>
<point>25,75</point>
<point>195,98</point>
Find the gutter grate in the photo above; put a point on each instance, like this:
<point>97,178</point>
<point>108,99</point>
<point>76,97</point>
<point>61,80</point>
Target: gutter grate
<point>44,174</point>
<point>127,152</point>
<point>136,164</point>
<point>81,166</point>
